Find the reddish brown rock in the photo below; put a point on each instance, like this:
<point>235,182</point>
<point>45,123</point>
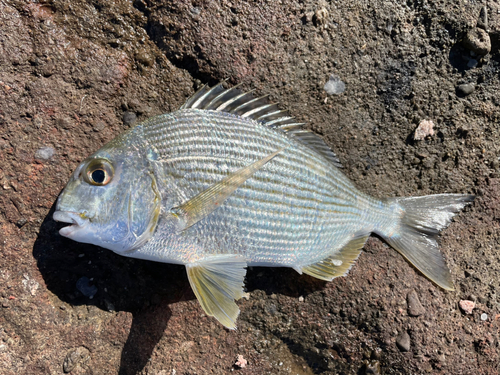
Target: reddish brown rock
<point>89,62</point>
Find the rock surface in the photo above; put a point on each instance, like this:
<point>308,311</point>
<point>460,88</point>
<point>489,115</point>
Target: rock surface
<point>70,69</point>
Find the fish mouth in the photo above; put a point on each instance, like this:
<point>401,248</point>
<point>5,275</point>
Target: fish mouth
<point>69,217</point>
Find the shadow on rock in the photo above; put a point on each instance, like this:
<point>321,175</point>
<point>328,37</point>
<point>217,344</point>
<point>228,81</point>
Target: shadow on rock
<point>284,281</point>
<point>146,331</point>
<point>460,59</point>
<point>82,274</point>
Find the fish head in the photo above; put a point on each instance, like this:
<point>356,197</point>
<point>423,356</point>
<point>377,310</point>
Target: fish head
<point>112,199</point>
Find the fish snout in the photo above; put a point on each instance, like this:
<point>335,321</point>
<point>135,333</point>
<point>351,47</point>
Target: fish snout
<point>78,221</point>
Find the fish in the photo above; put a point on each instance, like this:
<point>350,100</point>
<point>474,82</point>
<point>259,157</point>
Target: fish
<point>231,180</point>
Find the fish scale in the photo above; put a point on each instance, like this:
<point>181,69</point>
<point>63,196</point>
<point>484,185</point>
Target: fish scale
<point>293,222</point>
<point>229,181</point>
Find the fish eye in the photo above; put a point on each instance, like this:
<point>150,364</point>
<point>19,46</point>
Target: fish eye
<point>99,172</point>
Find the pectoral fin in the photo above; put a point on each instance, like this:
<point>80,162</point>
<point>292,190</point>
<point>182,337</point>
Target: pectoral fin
<point>338,264</point>
<point>217,283</point>
<point>210,199</point>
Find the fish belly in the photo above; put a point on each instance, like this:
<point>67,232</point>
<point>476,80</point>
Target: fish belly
<point>296,210</point>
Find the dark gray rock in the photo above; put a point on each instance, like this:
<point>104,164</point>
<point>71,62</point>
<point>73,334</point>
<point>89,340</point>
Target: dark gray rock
<point>465,89</point>
<point>415,308</point>
<point>129,118</point>
<point>403,342</point>
<point>482,21</point>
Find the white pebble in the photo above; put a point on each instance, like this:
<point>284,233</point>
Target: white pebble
<point>45,153</point>
<point>334,86</point>
<point>484,317</point>
<point>301,299</point>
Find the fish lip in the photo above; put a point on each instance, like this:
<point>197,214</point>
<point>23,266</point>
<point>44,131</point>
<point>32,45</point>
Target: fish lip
<point>69,217</point>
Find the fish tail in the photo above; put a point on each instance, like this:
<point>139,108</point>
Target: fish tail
<point>419,221</point>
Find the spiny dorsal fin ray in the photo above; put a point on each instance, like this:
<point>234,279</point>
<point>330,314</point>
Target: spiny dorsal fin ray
<point>206,202</point>
<point>312,140</point>
<point>338,264</point>
<point>244,104</point>
<point>235,102</point>
<point>217,282</point>
<point>252,104</point>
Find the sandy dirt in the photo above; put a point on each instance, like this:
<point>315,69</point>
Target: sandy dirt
<point>74,74</point>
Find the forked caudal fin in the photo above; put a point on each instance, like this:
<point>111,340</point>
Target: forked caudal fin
<point>422,218</point>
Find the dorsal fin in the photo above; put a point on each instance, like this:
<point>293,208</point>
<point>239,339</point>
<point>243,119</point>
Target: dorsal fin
<point>244,104</point>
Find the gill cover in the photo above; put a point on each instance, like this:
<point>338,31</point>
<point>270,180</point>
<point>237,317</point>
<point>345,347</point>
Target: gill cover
<point>112,199</point>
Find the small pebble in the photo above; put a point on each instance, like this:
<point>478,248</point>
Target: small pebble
<point>85,287</point>
<point>65,123</point>
<point>478,41</point>
<point>424,129</point>
<point>301,299</point>
<point>371,368</point>
<point>334,86</point>
<point>129,118</point>
<point>467,306</point>
<point>484,317</point>
<point>21,222</point>
<point>99,126</point>
<point>482,21</point>
<point>45,153</point>
<point>403,342</point>
<point>75,357</point>
<point>415,308</point>
<point>144,58</point>
<point>465,89</point>
<point>321,17</point>
<point>196,11</point>
<point>240,362</point>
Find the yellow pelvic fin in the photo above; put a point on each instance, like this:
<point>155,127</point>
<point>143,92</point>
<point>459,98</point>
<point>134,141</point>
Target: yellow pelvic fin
<point>210,199</point>
<point>217,283</point>
<point>338,264</point>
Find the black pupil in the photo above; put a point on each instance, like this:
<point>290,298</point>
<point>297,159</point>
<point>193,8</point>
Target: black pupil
<point>98,176</point>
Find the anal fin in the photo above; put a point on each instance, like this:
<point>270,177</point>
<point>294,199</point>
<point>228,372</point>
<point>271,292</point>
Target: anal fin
<point>217,282</point>
<point>338,264</point>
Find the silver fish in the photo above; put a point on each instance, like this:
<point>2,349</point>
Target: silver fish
<point>230,180</point>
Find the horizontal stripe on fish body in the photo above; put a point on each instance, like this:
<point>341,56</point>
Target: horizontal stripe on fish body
<point>297,205</point>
